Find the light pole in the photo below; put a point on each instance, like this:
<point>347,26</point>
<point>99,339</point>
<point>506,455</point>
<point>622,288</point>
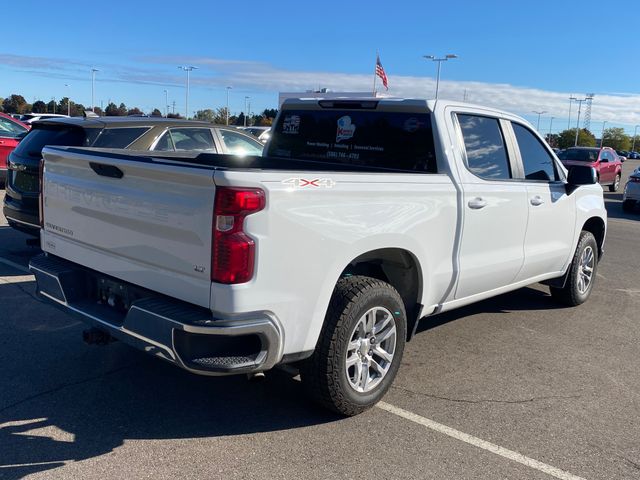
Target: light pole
<point>188,69</point>
<point>439,60</point>
<point>227,112</point>
<point>68,99</point>
<point>539,113</point>
<point>602,136</point>
<point>579,100</point>
<point>245,110</point>
<point>633,145</point>
<point>571,99</point>
<point>166,103</point>
<point>93,85</point>
<point>550,128</point>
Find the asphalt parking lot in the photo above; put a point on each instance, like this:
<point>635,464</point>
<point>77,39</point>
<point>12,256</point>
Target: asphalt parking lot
<point>514,387</point>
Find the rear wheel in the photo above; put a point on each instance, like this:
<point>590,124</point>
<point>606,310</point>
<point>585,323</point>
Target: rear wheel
<point>360,347</point>
<point>582,273</point>
<point>616,184</point>
<point>627,205</point>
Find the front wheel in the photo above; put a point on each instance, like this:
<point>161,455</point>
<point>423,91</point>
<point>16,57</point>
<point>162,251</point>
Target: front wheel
<point>360,347</point>
<point>616,184</point>
<point>582,273</point>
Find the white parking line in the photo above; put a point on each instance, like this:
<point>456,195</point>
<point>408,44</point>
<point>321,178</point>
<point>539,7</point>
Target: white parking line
<point>15,265</point>
<point>478,442</point>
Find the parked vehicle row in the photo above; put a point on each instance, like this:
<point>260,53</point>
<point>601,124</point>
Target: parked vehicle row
<point>132,133</point>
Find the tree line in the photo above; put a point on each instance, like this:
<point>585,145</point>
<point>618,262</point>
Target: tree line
<point>17,104</point>
<point>613,137</point>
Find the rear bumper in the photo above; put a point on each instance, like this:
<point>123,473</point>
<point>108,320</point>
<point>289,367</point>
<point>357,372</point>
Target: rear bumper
<point>181,333</point>
<point>19,217</point>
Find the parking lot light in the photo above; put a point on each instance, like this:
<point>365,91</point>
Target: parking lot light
<point>633,145</point>
<point>68,99</point>
<point>93,84</point>
<point>602,136</point>
<point>539,113</point>
<point>447,57</point>
<point>227,112</point>
<point>188,69</point>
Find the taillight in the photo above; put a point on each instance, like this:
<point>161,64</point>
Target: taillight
<point>233,251</point>
<point>41,192</point>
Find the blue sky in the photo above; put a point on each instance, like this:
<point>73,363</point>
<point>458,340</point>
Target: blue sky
<point>513,55</point>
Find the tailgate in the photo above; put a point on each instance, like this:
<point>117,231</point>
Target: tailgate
<point>145,222</point>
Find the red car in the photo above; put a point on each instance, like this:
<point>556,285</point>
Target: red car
<point>11,132</point>
<point>605,160</point>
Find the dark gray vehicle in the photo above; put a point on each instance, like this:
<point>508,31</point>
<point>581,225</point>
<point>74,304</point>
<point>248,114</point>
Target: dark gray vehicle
<point>132,133</point>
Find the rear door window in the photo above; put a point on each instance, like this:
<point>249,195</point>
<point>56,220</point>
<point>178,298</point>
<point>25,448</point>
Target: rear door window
<point>238,144</point>
<point>390,140</point>
<point>119,137</point>
<point>187,138</point>
<point>485,148</point>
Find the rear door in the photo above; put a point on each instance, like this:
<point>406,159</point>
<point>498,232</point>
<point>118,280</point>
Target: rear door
<point>494,208</point>
<point>551,217</point>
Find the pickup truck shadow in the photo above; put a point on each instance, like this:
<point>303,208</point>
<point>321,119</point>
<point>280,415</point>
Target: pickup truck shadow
<point>519,300</point>
<point>613,205</point>
<point>14,247</point>
<point>62,400</point>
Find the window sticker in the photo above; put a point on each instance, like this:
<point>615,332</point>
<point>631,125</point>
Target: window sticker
<point>291,124</point>
<point>346,129</point>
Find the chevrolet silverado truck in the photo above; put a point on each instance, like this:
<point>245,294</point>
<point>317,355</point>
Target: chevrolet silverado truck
<point>361,217</point>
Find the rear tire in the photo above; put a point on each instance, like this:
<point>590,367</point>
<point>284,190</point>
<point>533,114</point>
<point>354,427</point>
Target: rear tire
<point>616,184</point>
<point>360,346</point>
<point>628,205</point>
<point>582,273</point>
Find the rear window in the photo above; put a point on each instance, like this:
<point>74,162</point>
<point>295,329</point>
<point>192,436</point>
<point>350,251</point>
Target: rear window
<point>119,137</point>
<point>40,136</point>
<point>579,154</point>
<point>394,140</point>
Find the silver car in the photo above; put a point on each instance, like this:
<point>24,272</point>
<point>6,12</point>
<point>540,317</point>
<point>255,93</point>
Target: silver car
<point>631,193</point>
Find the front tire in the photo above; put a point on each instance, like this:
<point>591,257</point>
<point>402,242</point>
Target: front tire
<point>616,184</point>
<point>582,273</point>
<point>360,346</point>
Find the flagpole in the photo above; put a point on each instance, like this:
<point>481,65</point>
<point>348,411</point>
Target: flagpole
<point>375,68</point>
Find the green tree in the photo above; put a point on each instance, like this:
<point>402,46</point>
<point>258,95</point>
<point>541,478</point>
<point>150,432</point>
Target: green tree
<point>567,138</point>
<point>15,104</point>
<point>220,117</point>
<point>135,111</point>
<point>51,107</point>
<point>113,111</point>
<point>174,115</point>
<point>1,102</point>
<point>156,113</point>
<point>616,138</point>
<point>204,115</point>
<point>239,120</point>
<point>39,107</point>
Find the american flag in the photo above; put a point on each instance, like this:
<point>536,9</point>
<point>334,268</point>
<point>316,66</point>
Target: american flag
<point>380,73</point>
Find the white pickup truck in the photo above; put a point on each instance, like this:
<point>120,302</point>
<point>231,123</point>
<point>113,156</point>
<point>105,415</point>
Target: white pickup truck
<point>363,216</point>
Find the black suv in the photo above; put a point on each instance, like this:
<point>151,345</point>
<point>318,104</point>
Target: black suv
<point>133,133</point>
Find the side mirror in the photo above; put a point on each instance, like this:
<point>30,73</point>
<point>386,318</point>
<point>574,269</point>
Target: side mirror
<point>580,176</point>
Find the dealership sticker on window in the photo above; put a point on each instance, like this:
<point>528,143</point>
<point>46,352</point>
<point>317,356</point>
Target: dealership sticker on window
<point>346,129</point>
<point>291,124</point>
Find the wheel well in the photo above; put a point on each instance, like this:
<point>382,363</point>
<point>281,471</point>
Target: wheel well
<point>595,225</point>
<point>400,269</point>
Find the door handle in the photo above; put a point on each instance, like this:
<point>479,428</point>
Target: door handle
<point>477,203</point>
<point>536,201</point>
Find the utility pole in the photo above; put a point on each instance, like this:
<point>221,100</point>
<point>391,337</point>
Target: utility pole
<point>602,136</point>
<point>635,131</point>
<point>539,113</point>
<point>188,69</point>
<point>174,107</point>
<point>587,110</point>
<point>439,60</point>
<point>579,100</point>
<point>245,110</point>
<point>93,85</point>
<point>166,103</point>
<point>550,128</point>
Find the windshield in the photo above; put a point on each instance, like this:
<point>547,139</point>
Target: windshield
<point>392,140</point>
<point>580,154</point>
